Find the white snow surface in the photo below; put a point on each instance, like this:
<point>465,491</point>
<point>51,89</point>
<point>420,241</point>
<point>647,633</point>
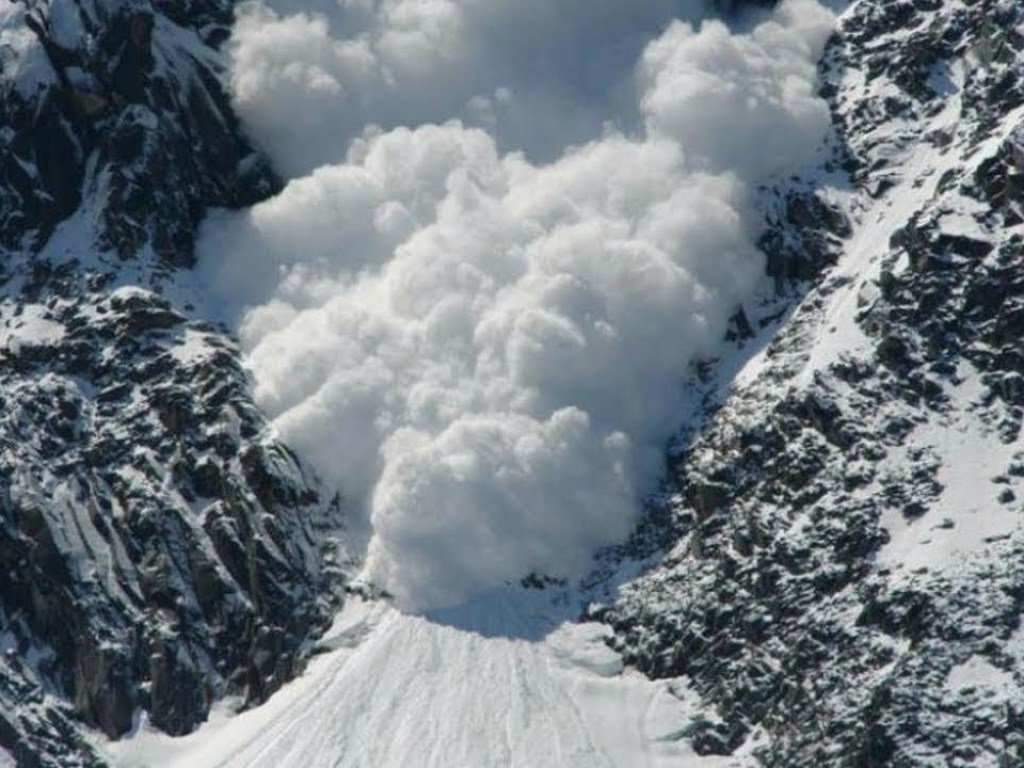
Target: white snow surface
<point>27,326</point>
<point>501,682</point>
<point>967,518</point>
<point>23,62</point>
<point>977,672</point>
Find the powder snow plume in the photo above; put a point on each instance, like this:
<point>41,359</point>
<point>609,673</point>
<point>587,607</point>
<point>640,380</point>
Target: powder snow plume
<point>478,327</point>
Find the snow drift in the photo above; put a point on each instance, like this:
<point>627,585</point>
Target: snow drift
<point>485,351</point>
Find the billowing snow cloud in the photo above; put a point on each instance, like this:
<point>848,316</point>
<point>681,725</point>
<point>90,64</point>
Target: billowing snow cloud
<point>537,74</point>
<point>484,352</point>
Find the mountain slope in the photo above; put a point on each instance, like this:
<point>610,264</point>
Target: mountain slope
<point>832,574</point>
<point>399,690</point>
<point>842,577</point>
<point>158,547</point>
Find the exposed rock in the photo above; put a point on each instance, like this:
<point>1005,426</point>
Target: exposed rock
<point>824,565</point>
<point>158,548</point>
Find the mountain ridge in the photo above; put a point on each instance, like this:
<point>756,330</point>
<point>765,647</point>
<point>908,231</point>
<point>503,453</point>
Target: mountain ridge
<point>837,556</point>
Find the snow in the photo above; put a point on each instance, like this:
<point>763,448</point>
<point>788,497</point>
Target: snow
<point>23,61</point>
<point>876,223</point>
<point>30,326</point>
<point>192,348</point>
<point>486,353</point>
<point>1015,645</point>
<point>976,672</point>
<point>64,23</point>
<point>503,681</point>
<point>967,517</point>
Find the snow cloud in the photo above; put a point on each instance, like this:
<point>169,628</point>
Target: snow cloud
<point>485,350</point>
<point>310,74</point>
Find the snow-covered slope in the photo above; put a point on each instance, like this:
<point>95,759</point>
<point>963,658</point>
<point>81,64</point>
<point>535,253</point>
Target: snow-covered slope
<point>846,529</point>
<point>832,575</point>
<point>399,690</point>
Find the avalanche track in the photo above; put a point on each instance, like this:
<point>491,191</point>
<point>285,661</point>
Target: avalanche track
<point>508,686</point>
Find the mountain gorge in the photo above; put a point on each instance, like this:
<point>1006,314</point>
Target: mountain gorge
<point>830,571</point>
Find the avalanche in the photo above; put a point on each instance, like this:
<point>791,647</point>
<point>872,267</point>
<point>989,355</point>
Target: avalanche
<point>485,353</point>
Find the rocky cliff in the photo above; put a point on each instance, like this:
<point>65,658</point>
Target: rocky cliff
<point>839,544</point>
<point>158,548</point>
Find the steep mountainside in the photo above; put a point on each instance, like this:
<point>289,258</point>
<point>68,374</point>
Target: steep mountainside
<point>157,548</point>
<point>833,574</point>
<point>842,576</point>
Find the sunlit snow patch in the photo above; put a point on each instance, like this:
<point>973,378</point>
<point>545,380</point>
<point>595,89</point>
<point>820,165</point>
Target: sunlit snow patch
<point>401,691</point>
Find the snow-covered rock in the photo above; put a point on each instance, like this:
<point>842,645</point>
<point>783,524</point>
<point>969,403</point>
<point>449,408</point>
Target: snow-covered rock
<point>158,547</point>
<point>841,537</point>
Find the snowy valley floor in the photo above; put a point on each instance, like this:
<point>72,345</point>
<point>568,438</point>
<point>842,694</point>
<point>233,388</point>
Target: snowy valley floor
<point>507,682</point>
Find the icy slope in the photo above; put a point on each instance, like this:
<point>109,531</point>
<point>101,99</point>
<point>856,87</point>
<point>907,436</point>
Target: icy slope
<point>406,691</point>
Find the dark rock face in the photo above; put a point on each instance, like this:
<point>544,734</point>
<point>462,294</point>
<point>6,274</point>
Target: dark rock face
<point>127,118</point>
<point>158,547</point>
<point>732,6</point>
<point>841,538</point>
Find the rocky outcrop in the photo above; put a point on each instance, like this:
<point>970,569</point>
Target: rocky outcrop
<point>158,547</point>
<point>840,545</point>
<point>119,106</point>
